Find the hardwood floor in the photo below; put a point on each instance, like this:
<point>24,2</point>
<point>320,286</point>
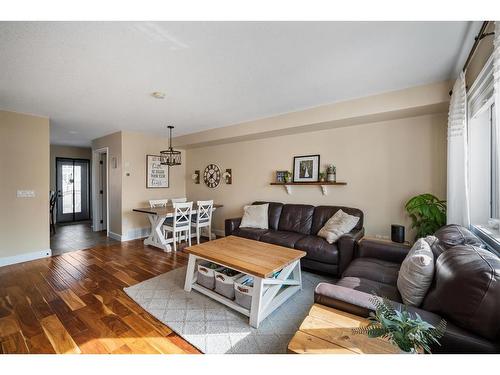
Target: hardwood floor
<point>75,303</point>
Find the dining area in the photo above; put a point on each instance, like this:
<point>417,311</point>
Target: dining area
<point>174,220</point>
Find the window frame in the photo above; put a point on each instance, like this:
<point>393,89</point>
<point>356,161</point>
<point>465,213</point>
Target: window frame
<point>481,97</point>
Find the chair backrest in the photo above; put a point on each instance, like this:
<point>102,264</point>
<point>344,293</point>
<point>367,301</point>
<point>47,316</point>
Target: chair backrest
<point>204,211</point>
<point>52,199</point>
<point>182,214</point>
<point>179,200</point>
<point>154,203</point>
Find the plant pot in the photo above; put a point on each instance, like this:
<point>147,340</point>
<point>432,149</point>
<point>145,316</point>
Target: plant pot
<point>331,177</point>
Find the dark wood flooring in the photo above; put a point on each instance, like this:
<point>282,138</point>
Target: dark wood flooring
<point>75,303</point>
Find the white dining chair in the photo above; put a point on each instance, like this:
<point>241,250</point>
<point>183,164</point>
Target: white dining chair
<point>203,218</point>
<point>154,203</point>
<point>180,223</point>
<point>179,200</point>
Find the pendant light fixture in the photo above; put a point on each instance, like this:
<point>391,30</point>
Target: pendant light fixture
<point>170,157</point>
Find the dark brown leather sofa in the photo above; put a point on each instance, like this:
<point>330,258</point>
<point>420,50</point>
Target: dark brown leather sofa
<point>465,291</point>
<point>296,226</point>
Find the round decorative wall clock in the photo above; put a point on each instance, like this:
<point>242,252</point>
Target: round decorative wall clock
<point>212,175</point>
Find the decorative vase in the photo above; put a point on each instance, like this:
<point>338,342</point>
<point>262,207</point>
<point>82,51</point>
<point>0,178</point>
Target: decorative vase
<point>331,177</point>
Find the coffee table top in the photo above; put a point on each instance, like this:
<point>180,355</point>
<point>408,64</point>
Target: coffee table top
<point>253,257</point>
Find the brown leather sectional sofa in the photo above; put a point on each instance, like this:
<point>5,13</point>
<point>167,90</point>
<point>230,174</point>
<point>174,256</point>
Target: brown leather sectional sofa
<point>465,290</point>
<point>296,226</point>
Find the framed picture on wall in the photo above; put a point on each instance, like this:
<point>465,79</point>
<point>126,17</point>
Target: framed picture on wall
<point>306,168</point>
<point>156,174</point>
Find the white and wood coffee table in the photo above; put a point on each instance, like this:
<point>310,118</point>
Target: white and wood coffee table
<point>258,259</point>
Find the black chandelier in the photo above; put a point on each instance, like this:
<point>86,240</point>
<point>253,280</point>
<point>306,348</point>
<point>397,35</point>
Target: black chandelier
<point>170,157</point>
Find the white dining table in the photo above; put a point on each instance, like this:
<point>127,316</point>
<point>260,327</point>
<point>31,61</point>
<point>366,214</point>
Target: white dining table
<point>157,216</point>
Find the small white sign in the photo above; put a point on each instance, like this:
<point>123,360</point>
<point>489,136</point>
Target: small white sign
<point>156,174</point>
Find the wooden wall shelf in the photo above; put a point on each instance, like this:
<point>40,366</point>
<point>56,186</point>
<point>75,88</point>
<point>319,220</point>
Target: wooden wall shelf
<point>323,185</point>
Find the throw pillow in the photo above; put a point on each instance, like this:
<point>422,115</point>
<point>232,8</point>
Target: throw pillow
<point>255,216</point>
<point>416,273</point>
<point>340,223</point>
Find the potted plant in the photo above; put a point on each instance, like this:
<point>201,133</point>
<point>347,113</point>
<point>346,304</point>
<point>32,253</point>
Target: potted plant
<point>322,176</point>
<point>427,213</point>
<point>288,176</point>
<point>408,332</point>
<point>331,173</point>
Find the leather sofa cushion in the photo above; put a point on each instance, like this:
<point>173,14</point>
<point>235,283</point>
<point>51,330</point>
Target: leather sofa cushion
<point>323,213</point>
<point>452,235</point>
<point>282,238</point>
<point>467,290</point>
<point>318,249</point>
<point>319,267</point>
<point>274,213</point>
<point>371,287</point>
<point>296,218</point>
<point>250,233</point>
<point>373,269</point>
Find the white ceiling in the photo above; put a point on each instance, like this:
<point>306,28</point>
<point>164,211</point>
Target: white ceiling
<point>93,78</point>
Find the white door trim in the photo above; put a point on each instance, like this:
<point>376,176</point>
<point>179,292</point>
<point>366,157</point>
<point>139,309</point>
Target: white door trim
<point>96,225</point>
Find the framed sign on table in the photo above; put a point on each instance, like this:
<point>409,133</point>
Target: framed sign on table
<point>156,173</point>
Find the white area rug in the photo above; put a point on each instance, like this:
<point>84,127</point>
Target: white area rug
<point>214,328</point>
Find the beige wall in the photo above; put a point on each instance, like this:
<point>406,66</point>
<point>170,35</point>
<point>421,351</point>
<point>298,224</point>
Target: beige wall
<point>114,144</point>
<point>387,147</point>
<point>135,194</point>
<point>24,165</point>
<point>127,182</point>
<point>57,151</point>
<point>411,102</point>
<point>383,164</point>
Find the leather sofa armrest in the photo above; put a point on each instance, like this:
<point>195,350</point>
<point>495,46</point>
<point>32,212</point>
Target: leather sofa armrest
<point>382,249</point>
<point>360,303</point>
<point>345,299</point>
<point>346,245</point>
<point>230,225</point>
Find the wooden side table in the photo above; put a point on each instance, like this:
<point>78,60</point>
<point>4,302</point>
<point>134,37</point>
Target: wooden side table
<point>329,331</point>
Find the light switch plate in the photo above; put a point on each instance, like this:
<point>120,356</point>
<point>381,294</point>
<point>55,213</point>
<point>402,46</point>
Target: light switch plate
<point>25,193</point>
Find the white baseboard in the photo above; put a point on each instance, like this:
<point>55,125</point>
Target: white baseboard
<point>136,233</point>
<point>115,236</point>
<point>132,234</point>
<point>25,257</point>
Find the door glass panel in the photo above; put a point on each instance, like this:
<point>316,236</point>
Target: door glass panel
<point>67,189</point>
<point>78,189</point>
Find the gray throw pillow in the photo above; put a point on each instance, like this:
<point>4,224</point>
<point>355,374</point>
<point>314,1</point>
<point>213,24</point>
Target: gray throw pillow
<point>416,273</point>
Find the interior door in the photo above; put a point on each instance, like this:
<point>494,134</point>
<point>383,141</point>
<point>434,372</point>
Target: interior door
<point>72,190</point>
